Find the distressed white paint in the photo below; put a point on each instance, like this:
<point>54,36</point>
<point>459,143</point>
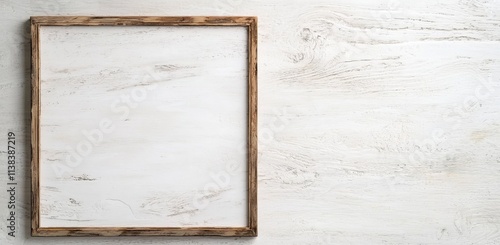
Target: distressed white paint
<point>348,92</point>
<point>139,125</point>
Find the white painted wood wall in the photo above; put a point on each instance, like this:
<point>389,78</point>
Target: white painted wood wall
<point>379,120</point>
<point>139,125</point>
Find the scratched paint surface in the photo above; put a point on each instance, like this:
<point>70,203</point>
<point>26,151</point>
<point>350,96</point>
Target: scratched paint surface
<point>378,120</point>
<point>138,125</point>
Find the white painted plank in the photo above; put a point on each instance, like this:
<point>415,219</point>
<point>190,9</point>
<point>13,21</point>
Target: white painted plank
<point>348,92</point>
<point>134,120</point>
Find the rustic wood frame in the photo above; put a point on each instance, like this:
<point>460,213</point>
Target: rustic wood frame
<point>249,22</point>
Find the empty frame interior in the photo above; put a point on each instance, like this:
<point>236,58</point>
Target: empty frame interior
<point>144,126</point>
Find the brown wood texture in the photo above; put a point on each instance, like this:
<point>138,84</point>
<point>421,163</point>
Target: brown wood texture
<point>35,126</point>
<point>250,22</point>
<point>145,231</point>
<point>252,133</point>
<point>143,20</point>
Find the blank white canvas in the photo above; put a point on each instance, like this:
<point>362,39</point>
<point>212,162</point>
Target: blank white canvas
<point>143,126</point>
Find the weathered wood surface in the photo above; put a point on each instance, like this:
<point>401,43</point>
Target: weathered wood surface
<point>169,114</point>
<point>170,111</point>
<point>378,119</point>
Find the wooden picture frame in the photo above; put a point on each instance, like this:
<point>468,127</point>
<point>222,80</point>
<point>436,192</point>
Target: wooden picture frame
<point>37,23</point>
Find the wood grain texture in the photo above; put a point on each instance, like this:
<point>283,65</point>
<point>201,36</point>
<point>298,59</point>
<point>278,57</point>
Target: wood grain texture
<point>146,231</point>
<point>59,223</point>
<point>144,20</point>
<point>252,128</point>
<point>349,91</point>
<point>35,126</point>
